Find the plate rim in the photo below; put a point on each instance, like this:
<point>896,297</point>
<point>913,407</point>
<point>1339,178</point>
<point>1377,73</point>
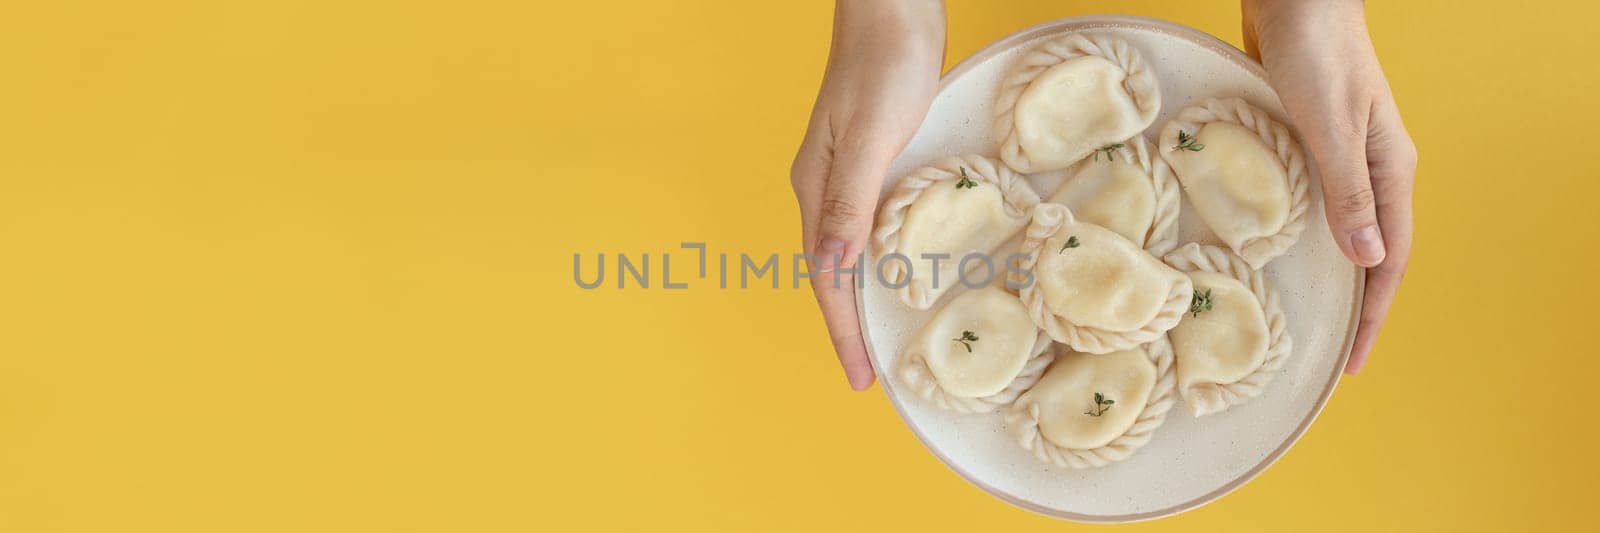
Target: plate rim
<point>1238,57</point>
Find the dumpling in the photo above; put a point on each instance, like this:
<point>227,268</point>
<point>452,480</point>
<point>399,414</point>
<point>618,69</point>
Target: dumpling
<point>1233,340</point>
<point>1092,289</point>
<point>1090,410</point>
<point>957,206</point>
<point>1127,189</point>
<point>1071,95</point>
<point>979,352</point>
<point>1244,173</point>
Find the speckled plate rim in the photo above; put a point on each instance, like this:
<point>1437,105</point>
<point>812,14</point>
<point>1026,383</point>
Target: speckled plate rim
<point>1209,42</point>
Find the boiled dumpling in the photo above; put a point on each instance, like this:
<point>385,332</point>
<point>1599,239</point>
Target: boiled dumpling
<point>1126,189</point>
<point>1092,289</point>
<point>1228,340</point>
<point>979,352</point>
<point>958,206</point>
<point>1071,95</point>
<point>1233,339</point>
<point>1089,410</point>
<point>1244,173</point>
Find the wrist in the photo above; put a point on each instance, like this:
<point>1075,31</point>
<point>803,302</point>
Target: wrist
<point>906,20</point>
<point>1264,16</point>
<point>1273,26</point>
<point>908,10</point>
<point>908,31</point>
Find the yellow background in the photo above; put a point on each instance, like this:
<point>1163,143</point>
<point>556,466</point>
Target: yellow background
<point>306,266</point>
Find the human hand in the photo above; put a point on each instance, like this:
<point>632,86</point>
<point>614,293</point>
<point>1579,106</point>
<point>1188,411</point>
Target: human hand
<point>1320,60</point>
<point>883,71</point>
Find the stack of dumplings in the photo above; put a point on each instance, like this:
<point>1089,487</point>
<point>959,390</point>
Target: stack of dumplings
<point>1102,319</point>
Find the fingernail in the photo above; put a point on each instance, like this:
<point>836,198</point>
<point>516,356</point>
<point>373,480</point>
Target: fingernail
<point>830,254</point>
<point>1368,245</point>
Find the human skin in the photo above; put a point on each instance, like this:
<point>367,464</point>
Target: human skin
<point>1320,60</point>
<point>882,74</point>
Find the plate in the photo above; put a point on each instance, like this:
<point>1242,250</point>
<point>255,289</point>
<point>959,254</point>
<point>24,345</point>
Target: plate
<point>1189,462</point>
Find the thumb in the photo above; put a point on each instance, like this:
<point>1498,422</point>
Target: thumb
<point>844,219</point>
<point>849,200</point>
<point>1347,197</point>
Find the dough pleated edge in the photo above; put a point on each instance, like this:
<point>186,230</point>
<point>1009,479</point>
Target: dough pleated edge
<point>1022,420</point>
<point>1209,398</point>
<point>1163,234</point>
<point>1019,198</point>
<point>1259,250</point>
<point>1140,83</point>
<point>913,371</point>
<point>1047,220</point>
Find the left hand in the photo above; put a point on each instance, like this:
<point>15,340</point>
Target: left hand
<point>883,72</point>
<point>1320,60</point>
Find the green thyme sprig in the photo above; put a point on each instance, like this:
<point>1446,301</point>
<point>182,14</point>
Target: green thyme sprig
<point>1072,242</point>
<point>967,338</point>
<point>1110,150</point>
<point>965,182</point>
<point>1101,405</point>
<point>1200,303</point>
<point>1187,142</point>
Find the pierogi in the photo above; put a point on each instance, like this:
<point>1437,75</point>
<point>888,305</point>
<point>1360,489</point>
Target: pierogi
<point>1089,410</point>
<point>938,215</point>
<point>1244,174</point>
<point>1070,96</point>
<point>1127,189</point>
<point>1093,290</point>
<point>977,353</point>
<point>1233,340</point>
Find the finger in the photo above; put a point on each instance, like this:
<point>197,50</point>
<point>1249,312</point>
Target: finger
<point>1339,148</point>
<point>850,196</point>
<point>844,219</point>
<point>807,175</point>
<point>1392,161</point>
<point>834,285</point>
<point>1383,280</point>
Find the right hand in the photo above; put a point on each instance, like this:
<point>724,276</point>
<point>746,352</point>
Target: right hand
<point>1321,62</point>
<point>883,71</point>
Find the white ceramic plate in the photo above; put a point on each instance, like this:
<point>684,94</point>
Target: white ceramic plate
<point>1190,461</point>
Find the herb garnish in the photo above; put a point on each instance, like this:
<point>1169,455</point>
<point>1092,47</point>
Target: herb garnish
<point>1186,142</point>
<point>966,182</point>
<point>1110,150</point>
<point>967,338</point>
<point>1072,242</point>
<point>1101,405</point>
<point>1200,303</point>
